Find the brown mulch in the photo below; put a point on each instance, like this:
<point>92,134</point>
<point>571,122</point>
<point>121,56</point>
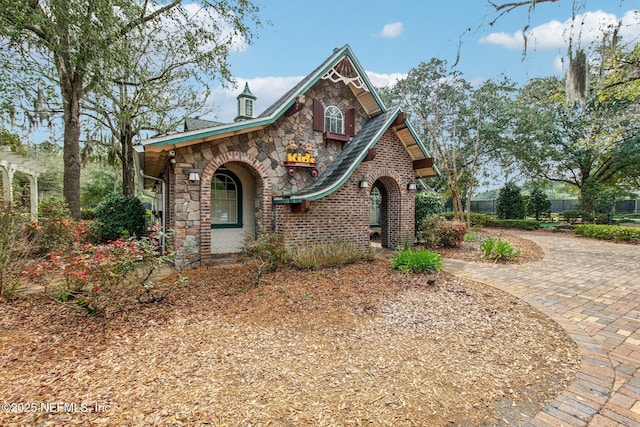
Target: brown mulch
<point>470,251</point>
<point>358,345</point>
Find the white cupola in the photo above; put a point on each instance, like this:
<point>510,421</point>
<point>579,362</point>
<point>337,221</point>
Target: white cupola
<point>245,104</point>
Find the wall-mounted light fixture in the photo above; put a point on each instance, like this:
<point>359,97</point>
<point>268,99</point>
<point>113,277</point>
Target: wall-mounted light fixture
<point>172,156</point>
<point>411,186</point>
<point>194,176</point>
<point>364,183</point>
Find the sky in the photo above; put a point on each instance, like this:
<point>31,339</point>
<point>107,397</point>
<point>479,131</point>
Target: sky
<point>389,38</point>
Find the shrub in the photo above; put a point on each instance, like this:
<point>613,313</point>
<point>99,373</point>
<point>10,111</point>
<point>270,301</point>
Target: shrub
<point>572,216</point>
<point>15,249</point>
<point>119,216</point>
<point>476,218</point>
<point>608,232</point>
<point>329,255</point>
<point>510,204</point>
<point>451,233</point>
<point>497,249</point>
<point>54,229</point>
<point>264,254</point>
<point>434,231</point>
<point>539,205</point>
<point>427,203</point>
<point>97,278</point>
<point>427,231</point>
<point>417,261</point>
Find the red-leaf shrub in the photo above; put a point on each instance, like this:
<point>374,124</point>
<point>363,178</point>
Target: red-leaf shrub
<point>451,233</point>
<point>98,277</point>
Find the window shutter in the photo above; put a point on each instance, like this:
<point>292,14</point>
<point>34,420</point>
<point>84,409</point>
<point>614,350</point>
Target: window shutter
<point>350,122</point>
<point>318,116</point>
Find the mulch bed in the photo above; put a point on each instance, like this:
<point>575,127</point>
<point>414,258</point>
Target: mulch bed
<point>358,345</point>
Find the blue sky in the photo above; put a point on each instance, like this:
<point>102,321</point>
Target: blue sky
<point>389,38</point>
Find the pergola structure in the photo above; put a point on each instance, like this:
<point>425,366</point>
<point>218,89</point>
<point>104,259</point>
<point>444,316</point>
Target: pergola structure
<point>10,163</point>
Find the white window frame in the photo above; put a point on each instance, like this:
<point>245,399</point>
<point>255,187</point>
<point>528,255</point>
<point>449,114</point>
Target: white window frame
<point>333,120</point>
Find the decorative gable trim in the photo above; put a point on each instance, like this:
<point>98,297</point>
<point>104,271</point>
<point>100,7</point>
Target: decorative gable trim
<point>344,71</point>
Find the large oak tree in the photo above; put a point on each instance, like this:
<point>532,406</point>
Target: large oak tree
<point>76,44</point>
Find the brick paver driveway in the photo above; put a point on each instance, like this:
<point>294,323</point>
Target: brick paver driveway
<point>592,289</point>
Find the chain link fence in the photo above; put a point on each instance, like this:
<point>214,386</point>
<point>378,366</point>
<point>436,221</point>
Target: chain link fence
<point>557,206</point>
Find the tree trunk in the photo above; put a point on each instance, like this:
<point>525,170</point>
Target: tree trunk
<point>127,159</point>
<point>71,153</point>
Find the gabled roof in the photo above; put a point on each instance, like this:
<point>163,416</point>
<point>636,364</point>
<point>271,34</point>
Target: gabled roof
<point>342,65</point>
<point>347,160</point>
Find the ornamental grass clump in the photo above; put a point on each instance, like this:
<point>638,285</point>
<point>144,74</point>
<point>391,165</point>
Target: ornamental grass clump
<point>417,261</point>
<point>328,255</point>
<point>497,249</point>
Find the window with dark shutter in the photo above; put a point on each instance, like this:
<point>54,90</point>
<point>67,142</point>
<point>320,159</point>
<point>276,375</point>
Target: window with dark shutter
<point>333,123</point>
<point>318,116</point>
<point>350,122</point>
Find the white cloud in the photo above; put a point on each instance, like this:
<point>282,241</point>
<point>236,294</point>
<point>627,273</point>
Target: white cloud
<point>585,29</point>
<point>391,30</point>
<point>380,80</point>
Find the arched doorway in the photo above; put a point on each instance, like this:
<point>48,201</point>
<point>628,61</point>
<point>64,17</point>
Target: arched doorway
<point>385,193</point>
<point>235,196</point>
<point>233,218</point>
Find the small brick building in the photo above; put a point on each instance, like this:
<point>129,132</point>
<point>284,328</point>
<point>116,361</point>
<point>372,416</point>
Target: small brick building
<point>307,167</point>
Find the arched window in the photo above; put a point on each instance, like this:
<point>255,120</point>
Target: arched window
<point>333,120</point>
<point>226,200</point>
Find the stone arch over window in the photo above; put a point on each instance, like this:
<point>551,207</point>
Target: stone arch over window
<point>263,195</point>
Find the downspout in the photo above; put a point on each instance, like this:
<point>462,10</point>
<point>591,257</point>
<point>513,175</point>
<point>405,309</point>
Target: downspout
<point>164,208</point>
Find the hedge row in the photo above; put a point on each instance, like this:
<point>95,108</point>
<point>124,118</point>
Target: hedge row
<point>490,221</point>
<point>608,232</point>
<point>523,224</point>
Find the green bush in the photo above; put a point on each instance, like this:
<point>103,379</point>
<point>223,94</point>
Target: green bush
<point>427,230</point>
<point>476,218</point>
<point>608,232</point>
<point>418,261</point>
<point>572,216</point>
<point>497,249</point>
<point>523,224</point>
<point>428,203</point>
<point>539,205</point>
<point>510,204</point>
<point>119,216</point>
<point>328,255</point>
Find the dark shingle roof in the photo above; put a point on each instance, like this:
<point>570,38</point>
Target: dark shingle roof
<point>348,159</point>
<point>197,124</point>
